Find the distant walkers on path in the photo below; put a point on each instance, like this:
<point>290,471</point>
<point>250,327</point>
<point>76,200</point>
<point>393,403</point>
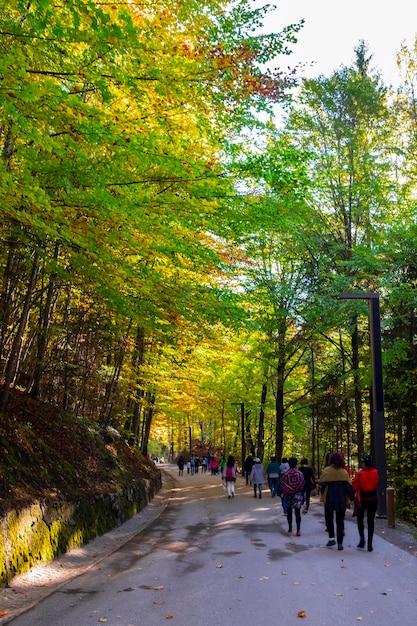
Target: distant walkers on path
<point>180,464</point>
<point>365,485</point>
<point>247,467</point>
<point>310,482</point>
<point>292,488</point>
<point>272,471</point>
<point>257,477</point>
<point>336,490</point>
<point>214,466</point>
<point>285,466</point>
<point>229,474</point>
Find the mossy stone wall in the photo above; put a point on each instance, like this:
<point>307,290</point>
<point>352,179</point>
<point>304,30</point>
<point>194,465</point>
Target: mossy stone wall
<point>42,531</point>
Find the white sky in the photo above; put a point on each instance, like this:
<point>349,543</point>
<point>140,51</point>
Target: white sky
<point>333,29</point>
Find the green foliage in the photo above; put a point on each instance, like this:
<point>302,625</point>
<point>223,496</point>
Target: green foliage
<point>404,476</point>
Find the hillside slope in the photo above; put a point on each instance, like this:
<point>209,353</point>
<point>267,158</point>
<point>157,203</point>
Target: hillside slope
<point>46,454</point>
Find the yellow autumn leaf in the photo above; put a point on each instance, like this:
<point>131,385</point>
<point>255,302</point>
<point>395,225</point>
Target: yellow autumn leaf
<point>159,587</point>
<point>102,619</point>
<point>169,616</point>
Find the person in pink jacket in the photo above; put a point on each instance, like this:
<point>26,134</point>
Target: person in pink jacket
<point>229,476</point>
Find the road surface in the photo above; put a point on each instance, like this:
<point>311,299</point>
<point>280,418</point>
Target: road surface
<point>203,558</point>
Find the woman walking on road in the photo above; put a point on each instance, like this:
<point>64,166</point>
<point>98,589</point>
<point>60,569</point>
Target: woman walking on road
<point>364,485</point>
<point>310,482</point>
<point>336,490</point>
<point>229,475</point>
<point>292,488</point>
<point>257,477</point>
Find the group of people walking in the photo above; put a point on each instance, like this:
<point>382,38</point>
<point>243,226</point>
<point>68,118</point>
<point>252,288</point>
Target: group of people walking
<point>295,485</point>
<point>335,483</point>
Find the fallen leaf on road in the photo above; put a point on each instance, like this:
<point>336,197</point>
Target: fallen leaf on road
<point>284,573</point>
<point>301,614</point>
<point>387,564</point>
<point>169,616</point>
<point>219,566</point>
<point>102,619</point>
<point>264,578</point>
<point>3,613</point>
<point>359,619</point>
<point>241,576</point>
<point>159,601</point>
<point>148,587</point>
<point>296,582</point>
<point>159,587</point>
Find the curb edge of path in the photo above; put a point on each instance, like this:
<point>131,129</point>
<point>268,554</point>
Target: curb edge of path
<point>26,590</point>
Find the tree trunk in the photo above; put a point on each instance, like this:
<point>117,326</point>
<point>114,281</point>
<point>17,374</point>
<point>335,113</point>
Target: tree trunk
<point>137,362</point>
<point>147,424</point>
<point>43,333</point>
<point>16,346</point>
<point>279,412</point>
<point>261,428</point>
<point>357,390</point>
<point>107,407</point>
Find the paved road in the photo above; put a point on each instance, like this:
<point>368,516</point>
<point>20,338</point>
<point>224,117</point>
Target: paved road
<point>204,558</point>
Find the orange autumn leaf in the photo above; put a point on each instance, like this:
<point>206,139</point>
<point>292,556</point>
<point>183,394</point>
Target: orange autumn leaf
<point>301,614</point>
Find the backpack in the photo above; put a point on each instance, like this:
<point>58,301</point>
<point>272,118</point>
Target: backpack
<point>292,482</point>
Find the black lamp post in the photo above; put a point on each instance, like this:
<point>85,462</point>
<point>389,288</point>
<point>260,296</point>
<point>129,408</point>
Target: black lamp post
<point>377,392</point>
<point>242,426</point>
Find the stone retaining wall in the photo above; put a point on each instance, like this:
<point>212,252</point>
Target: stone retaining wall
<point>44,530</point>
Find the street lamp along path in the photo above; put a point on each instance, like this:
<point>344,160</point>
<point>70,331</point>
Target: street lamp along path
<point>377,392</point>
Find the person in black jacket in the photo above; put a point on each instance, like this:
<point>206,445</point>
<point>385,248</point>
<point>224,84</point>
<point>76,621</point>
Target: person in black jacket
<point>336,491</point>
<point>247,467</point>
<point>310,482</point>
<point>180,464</point>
